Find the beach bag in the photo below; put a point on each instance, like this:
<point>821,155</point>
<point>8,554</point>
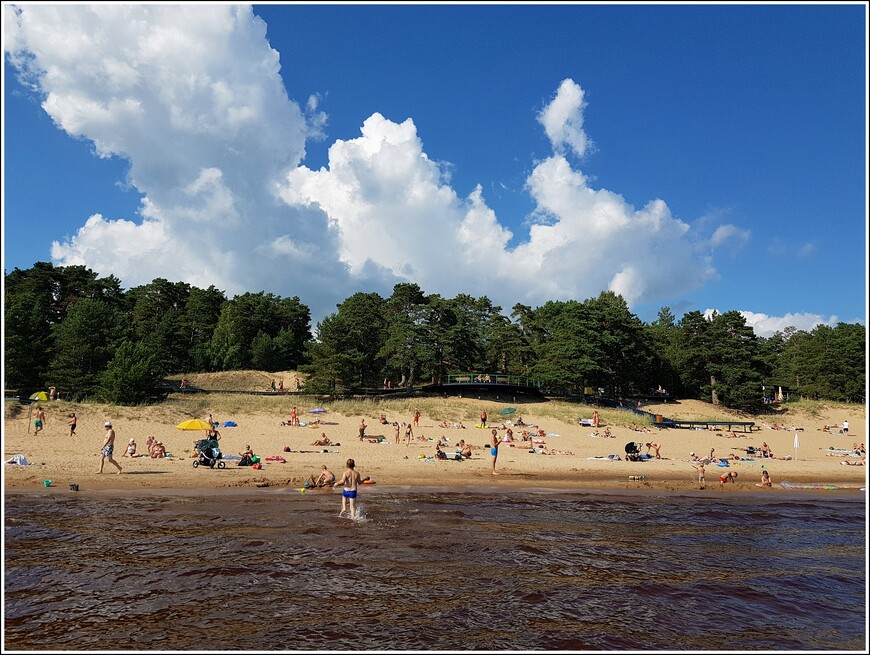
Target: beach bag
<point>246,461</point>
<point>257,466</point>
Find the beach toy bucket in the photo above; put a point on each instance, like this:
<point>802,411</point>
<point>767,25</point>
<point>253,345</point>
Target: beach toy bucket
<point>47,483</point>
<point>73,487</point>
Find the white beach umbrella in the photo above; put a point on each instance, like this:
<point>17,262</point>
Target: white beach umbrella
<point>797,444</point>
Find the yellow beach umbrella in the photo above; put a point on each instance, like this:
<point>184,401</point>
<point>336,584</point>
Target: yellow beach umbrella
<point>193,424</point>
<point>39,395</point>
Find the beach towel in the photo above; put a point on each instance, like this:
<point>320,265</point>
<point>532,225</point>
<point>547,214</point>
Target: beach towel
<point>276,458</point>
<point>230,424</point>
<point>19,459</point>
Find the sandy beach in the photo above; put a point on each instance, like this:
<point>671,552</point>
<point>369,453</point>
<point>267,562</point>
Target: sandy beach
<point>572,459</point>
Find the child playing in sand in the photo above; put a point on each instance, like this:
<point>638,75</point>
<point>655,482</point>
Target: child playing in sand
<point>326,477</point>
<point>765,480</point>
<point>351,480</point>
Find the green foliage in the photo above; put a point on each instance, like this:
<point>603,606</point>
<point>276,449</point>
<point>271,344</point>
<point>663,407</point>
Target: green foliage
<point>827,363</point>
<point>133,376</point>
<point>409,350</point>
<point>197,325</point>
<point>84,345</point>
<point>559,333</point>
<point>723,359</point>
<point>244,317</point>
<point>264,353</point>
<point>66,327</point>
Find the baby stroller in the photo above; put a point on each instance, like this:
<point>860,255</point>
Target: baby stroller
<point>632,451</point>
<point>209,454</point>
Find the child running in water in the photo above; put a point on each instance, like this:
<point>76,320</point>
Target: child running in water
<point>351,480</point>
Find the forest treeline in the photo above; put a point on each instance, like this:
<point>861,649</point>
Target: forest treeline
<point>85,335</point>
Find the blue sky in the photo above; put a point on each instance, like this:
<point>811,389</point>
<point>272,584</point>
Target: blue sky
<point>696,157</point>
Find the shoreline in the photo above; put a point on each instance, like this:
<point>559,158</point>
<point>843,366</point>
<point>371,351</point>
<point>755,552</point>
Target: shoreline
<point>598,487</point>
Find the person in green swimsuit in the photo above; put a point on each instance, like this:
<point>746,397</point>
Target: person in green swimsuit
<point>40,420</point>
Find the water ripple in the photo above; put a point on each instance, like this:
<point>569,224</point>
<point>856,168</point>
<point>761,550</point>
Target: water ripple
<point>432,571</point>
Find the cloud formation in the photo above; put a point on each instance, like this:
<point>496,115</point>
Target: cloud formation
<point>192,97</point>
<point>766,326</point>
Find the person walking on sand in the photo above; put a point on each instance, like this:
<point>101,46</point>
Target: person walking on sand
<point>409,434</point>
<point>362,429</point>
<point>40,420</point>
<point>350,480</point>
<point>483,418</point>
<point>397,430</point>
<point>108,447</point>
<point>494,450</point>
<point>416,418</point>
<point>72,424</point>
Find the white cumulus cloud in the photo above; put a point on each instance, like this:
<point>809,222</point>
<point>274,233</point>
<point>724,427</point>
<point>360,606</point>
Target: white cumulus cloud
<point>766,326</point>
<point>192,97</point>
<point>562,119</point>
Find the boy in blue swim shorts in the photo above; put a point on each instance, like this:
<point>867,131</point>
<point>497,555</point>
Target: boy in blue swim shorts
<point>351,481</point>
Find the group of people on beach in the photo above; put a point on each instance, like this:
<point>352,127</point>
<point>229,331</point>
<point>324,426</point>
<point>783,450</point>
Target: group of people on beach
<point>351,478</point>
